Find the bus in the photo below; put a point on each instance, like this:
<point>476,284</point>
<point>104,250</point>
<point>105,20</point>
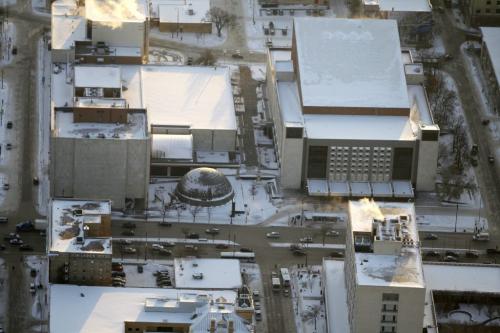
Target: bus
<point>285,277</point>
<point>276,284</point>
<point>244,256</point>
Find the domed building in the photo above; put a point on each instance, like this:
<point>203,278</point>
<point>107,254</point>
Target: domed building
<point>204,187</point>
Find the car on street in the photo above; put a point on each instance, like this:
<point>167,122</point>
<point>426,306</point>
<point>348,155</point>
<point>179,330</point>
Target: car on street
<point>299,252</point>
<point>274,274</point>
<point>474,150</point>
<point>258,315</point>
<point>212,231</point>
<point>286,292</point>
<point>27,225</point>
<point>273,234</point>
<point>473,161</point>
<point>128,249</point>
<point>25,247</point>
<point>481,236</point>
<point>2,247</point>
<point>168,244</point>
<point>450,259</point>
<point>246,249</point>
<point>307,239</point>
<point>129,225</point>
<point>256,294</point>
<point>11,235</point>
<point>451,253</point>
<point>140,269</point>
<point>33,273</point>
<point>471,254</point>
<point>125,242</point>
<point>431,254</point>
<point>128,232</point>
<point>332,233</point>
<point>16,241</point>
<point>9,124</point>
<point>256,305</point>
<point>165,252</point>
<point>8,146</point>
<point>193,235</point>
<point>32,288</point>
<point>4,219</point>
<point>485,121</point>
<point>221,246</point>
<point>165,223</point>
<point>430,237</point>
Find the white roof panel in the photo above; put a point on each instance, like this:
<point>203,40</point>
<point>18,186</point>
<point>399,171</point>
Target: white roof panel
<point>67,25</point>
<point>217,273</point>
<point>336,296</point>
<point>97,77</point>
<point>191,11</point>
<point>115,11</point>
<point>491,37</point>
<point>405,6</point>
<point>169,146</point>
<point>462,277</point>
<point>350,63</point>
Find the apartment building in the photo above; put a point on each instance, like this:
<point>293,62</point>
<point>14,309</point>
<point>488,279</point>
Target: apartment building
<point>481,12</point>
<point>79,241</point>
<point>351,117</point>
<point>181,16</point>
<point>490,61</point>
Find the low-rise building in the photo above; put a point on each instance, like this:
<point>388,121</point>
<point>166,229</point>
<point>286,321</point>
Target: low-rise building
<point>97,31</point>
<point>212,274</point>
<point>117,310</point>
<point>351,117</point>
<point>490,61</point>
<point>181,16</point>
<point>79,241</point>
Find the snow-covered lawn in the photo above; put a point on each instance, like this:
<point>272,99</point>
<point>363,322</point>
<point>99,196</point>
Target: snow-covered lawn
<point>307,299</point>
<point>161,56</point>
<point>191,38</point>
<point>446,223</point>
<point>251,199</point>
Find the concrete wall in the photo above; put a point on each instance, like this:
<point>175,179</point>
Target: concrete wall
<point>476,13</point>
<point>61,55</point>
<point>112,169</point>
<point>427,165</point>
<point>368,309</point>
<point>216,140</point>
<point>84,269</point>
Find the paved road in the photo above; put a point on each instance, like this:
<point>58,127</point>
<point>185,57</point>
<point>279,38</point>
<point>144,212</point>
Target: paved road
<point>488,180</point>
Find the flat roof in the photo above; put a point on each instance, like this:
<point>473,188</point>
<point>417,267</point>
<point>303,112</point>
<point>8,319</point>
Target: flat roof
<point>217,273</point>
<point>405,6</point>
<point>134,128</point>
<point>344,127</point>
<point>196,97</point>
<point>463,277</point>
<point>289,101</point>
<point>106,309</point>
<point>372,269</point>
<point>491,37</point>
<point>97,77</point>
<point>335,296</point>
<point>116,11</point>
<point>350,63</point>
<point>66,226</point>
<point>191,11</point>
<point>170,146</point>
<point>67,25</point>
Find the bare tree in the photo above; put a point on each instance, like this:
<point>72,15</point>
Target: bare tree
<point>206,58</point>
<point>185,231</point>
<point>194,211</point>
<point>324,232</point>
<point>312,314</point>
<point>441,99</point>
<point>460,143</point>
<point>221,19</point>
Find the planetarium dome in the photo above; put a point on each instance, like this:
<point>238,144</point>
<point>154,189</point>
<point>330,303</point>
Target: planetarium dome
<point>204,187</point>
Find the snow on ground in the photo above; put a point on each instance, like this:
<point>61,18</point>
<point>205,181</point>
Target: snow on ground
<point>311,245</point>
<point>40,299</point>
<point>191,38</point>
<point>258,72</point>
<point>251,200</point>
<point>446,223</point>
<point>6,136</point>
<point>252,277</point>
<point>267,158</point>
<point>3,291</point>
<point>254,24</point>
<point>161,56</point>
<point>437,49</point>
<point>146,279</point>
<point>8,41</point>
<point>43,125</point>
<point>307,300</point>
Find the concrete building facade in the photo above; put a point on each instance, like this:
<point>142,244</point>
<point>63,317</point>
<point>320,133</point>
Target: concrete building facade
<point>343,133</point>
<point>490,61</point>
<point>481,12</point>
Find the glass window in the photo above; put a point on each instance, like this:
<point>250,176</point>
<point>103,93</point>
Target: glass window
<point>390,297</point>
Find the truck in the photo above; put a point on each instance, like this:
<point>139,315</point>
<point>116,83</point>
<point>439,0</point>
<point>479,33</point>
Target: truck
<point>275,281</point>
<point>481,236</point>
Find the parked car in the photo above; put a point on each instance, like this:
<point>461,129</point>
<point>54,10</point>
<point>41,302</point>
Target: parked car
<point>128,232</point>
<point>299,252</point>
<point>307,239</point>
<point>125,242</point>
<point>431,237</point>
<point>32,288</point>
<point>3,219</point>
<point>193,235</point>
<point>474,150</point>
<point>492,251</point>
<point>256,294</point>
<point>9,124</point>
<point>2,247</point>
<point>16,241</point>
<point>246,249</point>
<point>337,254</point>
<point>36,181</point>
<point>491,159</point>
<point>471,254</point>
<point>473,161</point>
<point>165,224</point>
<point>118,284</point>
<point>129,225</point>
<point>6,186</point>
<point>450,259</point>
<point>25,247</point>
<point>27,225</point>
<point>256,305</point>
<point>431,254</point>
<point>156,247</point>
<point>273,234</point>
<point>481,236</point>
<point>129,249</point>
<point>286,292</point>
<point>165,252</point>
<point>118,274</point>
<point>140,269</point>
<point>221,246</point>
<point>212,231</point>
<point>451,253</point>
<point>332,233</point>
<point>258,315</point>
<point>296,247</point>
<point>11,235</point>
<point>168,244</point>
<point>485,121</point>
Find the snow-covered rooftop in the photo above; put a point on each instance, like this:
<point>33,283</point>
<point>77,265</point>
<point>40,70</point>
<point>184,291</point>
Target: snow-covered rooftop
<point>350,63</point>
<point>335,296</point>
<point>175,147</point>
<point>88,309</point>
<point>65,127</point>
<point>405,6</point>
<point>202,98</point>
<point>181,11</point>
<point>403,269</point>
<point>115,12</point>
<point>66,225</point>
<point>344,127</point>
<point>67,24</point>
<point>97,77</point>
<point>452,277</point>
<point>289,101</point>
<point>217,273</point>
<point>491,37</point>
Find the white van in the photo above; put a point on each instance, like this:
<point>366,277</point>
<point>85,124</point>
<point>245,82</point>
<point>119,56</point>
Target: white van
<point>481,236</point>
